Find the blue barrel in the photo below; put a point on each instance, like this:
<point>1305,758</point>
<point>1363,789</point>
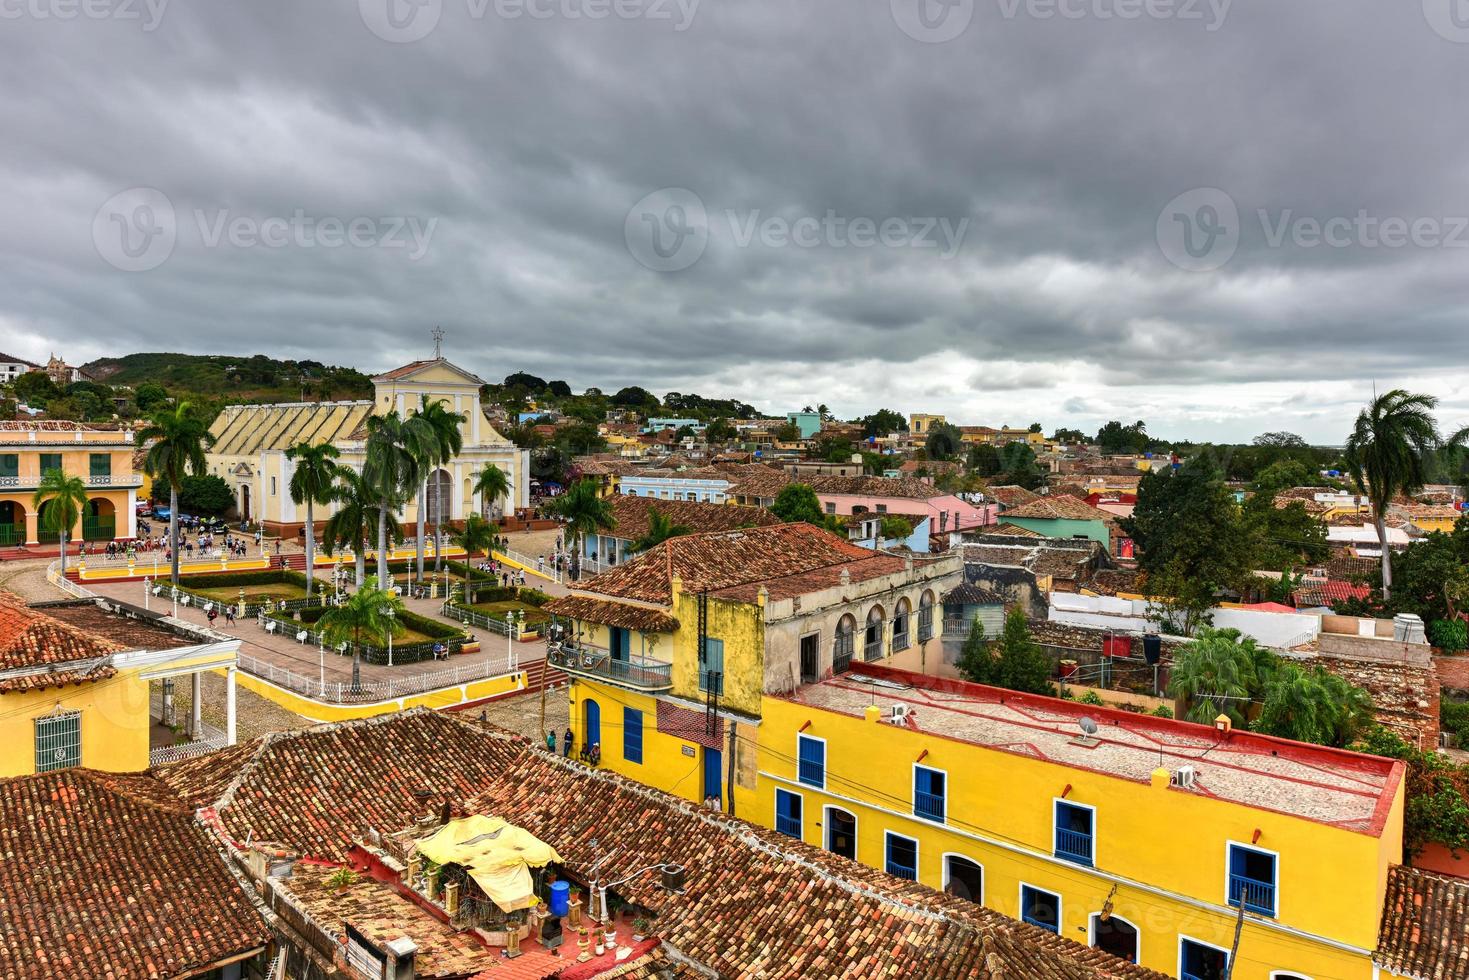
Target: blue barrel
<point>560,898</point>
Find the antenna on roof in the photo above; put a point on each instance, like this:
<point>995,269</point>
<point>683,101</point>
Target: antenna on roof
<point>438,335</point>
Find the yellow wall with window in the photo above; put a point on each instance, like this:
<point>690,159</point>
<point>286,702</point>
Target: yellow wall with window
<point>114,723</point>
<point>1000,808</point>
<point>669,763</point>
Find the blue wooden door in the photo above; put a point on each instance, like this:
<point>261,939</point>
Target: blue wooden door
<point>713,774</point>
<point>593,728</point>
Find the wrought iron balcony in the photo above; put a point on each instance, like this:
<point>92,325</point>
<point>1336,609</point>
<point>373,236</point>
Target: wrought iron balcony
<point>635,672</point>
<point>1074,846</point>
<point>929,806</point>
<point>1258,896</point>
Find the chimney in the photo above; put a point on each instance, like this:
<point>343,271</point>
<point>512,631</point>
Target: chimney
<point>402,957</point>
<point>846,578</point>
<point>873,713</point>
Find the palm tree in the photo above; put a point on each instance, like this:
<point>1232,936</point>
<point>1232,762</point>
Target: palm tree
<point>491,484</point>
<point>179,438</point>
<point>68,498</point>
<point>478,535</point>
<point>439,440</point>
<point>584,513</point>
<point>660,529</point>
<point>312,484</point>
<point>365,614</point>
<point>1389,452</point>
<point>1215,674</point>
<point>354,521</point>
<point>391,468</point>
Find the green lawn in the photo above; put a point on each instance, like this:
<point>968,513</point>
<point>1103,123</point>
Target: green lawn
<point>274,591</point>
<point>498,610</point>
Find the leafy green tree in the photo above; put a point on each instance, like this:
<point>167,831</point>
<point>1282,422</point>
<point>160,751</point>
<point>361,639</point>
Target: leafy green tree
<point>1018,466</point>
<point>354,521</point>
<point>1388,453</point>
<point>65,498</point>
<point>179,437</point>
<point>584,512</point>
<point>837,450</point>
<point>583,438</point>
<point>983,460</point>
<point>1116,438</point>
<point>1284,537</point>
<point>1281,475</point>
<point>977,661</point>
<point>1035,427</point>
<point>660,529</point>
<point>35,388</point>
<point>1022,665</point>
<point>883,422</point>
<point>797,502</point>
<point>1218,673</point>
<point>492,485</point>
<point>312,481</point>
<point>1313,706</point>
<point>944,442</point>
<point>720,430</point>
<point>787,432</point>
<point>477,536</point>
<point>207,494</point>
<point>1281,439</point>
<point>150,397</point>
<point>638,398</point>
<point>1069,437</point>
<point>896,527</point>
<point>370,614</point>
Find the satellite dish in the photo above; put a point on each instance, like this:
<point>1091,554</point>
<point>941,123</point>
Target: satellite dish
<point>1088,726</point>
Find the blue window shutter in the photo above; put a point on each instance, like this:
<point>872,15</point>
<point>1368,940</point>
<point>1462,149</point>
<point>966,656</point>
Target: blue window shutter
<point>632,735</point>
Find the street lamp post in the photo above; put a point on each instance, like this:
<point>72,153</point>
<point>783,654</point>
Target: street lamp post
<point>388,611</point>
<point>512,619</point>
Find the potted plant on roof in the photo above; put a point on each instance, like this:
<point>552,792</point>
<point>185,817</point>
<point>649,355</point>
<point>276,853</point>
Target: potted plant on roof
<point>341,879</point>
<point>640,927</point>
<point>573,910</point>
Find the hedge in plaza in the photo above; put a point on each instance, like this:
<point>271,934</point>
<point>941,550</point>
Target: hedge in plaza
<point>499,593</point>
<point>263,576</point>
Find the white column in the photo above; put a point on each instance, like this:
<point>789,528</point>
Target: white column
<point>475,414</point>
<point>196,703</point>
<point>400,403</point>
<point>229,706</point>
<point>132,524</point>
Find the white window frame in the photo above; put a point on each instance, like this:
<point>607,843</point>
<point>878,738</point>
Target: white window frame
<point>1230,844</point>
<point>53,717</point>
<point>1182,938</point>
<point>856,821</point>
<point>1091,931</point>
<point>824,760</point>
<point>774,823</point>
<point>913,789</point>
<point>917,852</point>
<point>984,875</point>
<point>1095,835</point>
<point>1060,907</point>
<point>1290,975</point>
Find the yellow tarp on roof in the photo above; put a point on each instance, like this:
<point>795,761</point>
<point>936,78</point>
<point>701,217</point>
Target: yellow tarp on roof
<point>497,854</point>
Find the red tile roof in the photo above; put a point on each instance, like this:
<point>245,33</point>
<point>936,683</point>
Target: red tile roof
<point>623,614</point>
<point>30,638</point>
<point>631,516</point>
<point>1425,926</point>
<point>108,875</point>
<point>787,558</point>
<point>1011,495</point>
<point>1059,507</point>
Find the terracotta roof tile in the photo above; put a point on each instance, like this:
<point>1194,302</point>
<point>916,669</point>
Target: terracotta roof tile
<point>1059,507</point>
<point>30,638</point>
<point>108,875</point>
<point>623,614</point>
<point>1425,926</point>
<point>631,516</point>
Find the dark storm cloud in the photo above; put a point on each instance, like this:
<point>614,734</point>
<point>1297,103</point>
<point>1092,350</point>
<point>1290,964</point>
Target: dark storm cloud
<point>1055,142</point>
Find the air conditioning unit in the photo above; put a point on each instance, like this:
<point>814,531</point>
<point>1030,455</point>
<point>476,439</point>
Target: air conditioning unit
<point>1183,777</point>
<point>900,714</point>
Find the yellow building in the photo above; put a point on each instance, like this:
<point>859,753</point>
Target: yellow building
<point>101,456</point>
<point>75,686</point>
<point>1018,803</point>
<point>920,424</point>
<point>771,607</point>
<point>249,451</point>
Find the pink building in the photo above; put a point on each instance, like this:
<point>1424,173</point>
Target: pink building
<point>846,495</point>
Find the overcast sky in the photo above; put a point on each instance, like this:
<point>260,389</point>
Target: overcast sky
<point>1006,210</point>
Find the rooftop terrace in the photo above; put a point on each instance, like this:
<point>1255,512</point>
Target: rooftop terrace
<point>1329,786</point>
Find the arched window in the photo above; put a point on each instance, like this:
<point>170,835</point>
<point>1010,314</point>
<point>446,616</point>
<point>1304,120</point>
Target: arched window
<point>841,832</point>
<point>963,878</point>
<point>872,635</point>
<point>841,655</point>
<point>901,615</point>
<point>925,616</point>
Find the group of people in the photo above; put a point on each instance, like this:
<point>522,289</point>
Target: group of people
<point>504,574</point>
<point>590,754</point>
<point>150,544</point>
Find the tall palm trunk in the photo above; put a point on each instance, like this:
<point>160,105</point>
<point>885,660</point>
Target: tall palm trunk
<point>62,539</point>
<point>1381,523</point>
<point>310,548</point>
<point>439,526</point>
<point>382,545</point>
<point>360,560</point>
<point>422,519</point>
<point>173,534</point>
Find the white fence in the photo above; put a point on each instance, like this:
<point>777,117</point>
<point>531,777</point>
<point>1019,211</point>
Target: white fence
<point>210,740</point>
<point>342,692</point>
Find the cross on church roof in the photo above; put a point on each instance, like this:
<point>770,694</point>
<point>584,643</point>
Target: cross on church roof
<point>438,335</point>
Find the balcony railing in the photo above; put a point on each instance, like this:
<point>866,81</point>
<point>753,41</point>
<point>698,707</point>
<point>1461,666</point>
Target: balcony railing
<point>1259,896</point>
<point>872,649</point>
<point>9,481</point>
<point>11,535</point>
<point>640,672</point>
<point>955,627</point>
<point>929,806</point>
<point>925,623</point>
<point>791,826</point>
<point>1073,845</point>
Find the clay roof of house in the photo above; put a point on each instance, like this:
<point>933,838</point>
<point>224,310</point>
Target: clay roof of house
<point>788,559</point>
<point>1006,529</point>
<point>1059,507</point>
<point>1110,581</point>
<point>631,516</point>
<point>756,903</point>
<point>1328,593</point>
<point>970,594</point>
<point>12,359</point>
<point>107,875</point>
<point>623,614</point>
<point>1425,926</point>
<point>408,370</point>
<point>30,638</point>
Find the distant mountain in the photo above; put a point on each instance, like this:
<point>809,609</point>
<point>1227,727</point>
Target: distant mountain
<point>252,378</point>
